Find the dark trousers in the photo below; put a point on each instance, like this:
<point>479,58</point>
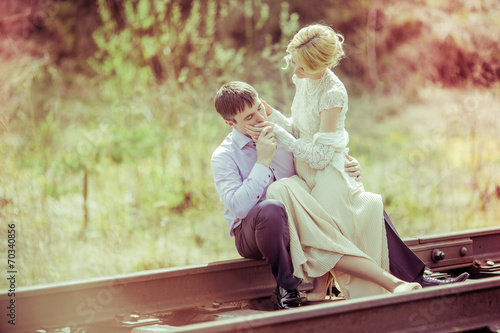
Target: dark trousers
<point>404,264</point>
<point>264,234</point>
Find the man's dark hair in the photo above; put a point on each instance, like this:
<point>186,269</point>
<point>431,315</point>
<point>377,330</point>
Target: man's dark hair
<point>232,98</point>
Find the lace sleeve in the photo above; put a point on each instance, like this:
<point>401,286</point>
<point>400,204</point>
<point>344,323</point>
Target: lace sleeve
<point>318,154</point>
<point>333,98</point>
<point>287,123</point>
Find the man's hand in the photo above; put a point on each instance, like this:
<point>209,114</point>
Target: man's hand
<point>255,130</point>
<point>353,168</point>
<point>266,146</point>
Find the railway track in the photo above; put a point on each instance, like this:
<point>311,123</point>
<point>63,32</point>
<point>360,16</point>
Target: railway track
<point>237,296</point>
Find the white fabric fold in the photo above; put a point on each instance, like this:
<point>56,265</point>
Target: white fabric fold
<point>326,149</point>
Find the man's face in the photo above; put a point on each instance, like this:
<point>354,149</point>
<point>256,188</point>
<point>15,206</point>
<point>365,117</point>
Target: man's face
<point>249,116</point>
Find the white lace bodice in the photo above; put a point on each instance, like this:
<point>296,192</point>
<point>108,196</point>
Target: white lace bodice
<point>327,92</point>
<point>300,133</point>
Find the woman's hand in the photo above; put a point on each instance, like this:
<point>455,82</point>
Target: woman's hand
<point>353,168</point>
<point>269,109</point>
<point>254,130</point>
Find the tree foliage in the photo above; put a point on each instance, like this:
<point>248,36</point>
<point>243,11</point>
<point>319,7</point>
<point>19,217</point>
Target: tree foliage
<point>146,41</point>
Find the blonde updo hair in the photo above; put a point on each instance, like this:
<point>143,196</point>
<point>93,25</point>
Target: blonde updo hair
<point>318,47</point>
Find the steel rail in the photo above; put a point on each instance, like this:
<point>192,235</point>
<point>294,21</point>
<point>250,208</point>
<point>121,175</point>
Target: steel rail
<point>78,303</point>
<point>459,248</point>
<point>473,305</point>
<point>83,303</point>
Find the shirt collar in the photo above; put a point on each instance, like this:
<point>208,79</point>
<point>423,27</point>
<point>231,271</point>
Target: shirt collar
<point>240,139</point>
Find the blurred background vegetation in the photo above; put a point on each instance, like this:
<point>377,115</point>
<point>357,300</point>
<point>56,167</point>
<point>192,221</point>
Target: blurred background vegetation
<point>107,122</point>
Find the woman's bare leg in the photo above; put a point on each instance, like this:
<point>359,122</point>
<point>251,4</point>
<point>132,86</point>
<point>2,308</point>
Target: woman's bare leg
<point>320,285</point>
<point>368,270</point>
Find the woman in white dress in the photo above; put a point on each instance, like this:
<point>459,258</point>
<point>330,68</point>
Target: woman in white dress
<point>336,228</point>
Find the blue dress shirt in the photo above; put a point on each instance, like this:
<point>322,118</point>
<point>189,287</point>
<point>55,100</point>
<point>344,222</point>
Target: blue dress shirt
<point>239,180</point>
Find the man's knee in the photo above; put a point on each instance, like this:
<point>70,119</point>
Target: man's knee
<point>272,221</point>
<point>271,207</point>
<point>272,212</point>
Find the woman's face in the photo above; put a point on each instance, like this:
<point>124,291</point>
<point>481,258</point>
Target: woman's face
<point>299,70</point>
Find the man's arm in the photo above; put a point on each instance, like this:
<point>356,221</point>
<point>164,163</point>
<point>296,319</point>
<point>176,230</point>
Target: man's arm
<point>240,196</point>
<point>237,195</point>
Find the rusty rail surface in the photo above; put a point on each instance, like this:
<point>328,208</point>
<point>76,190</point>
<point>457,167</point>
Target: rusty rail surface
<point>234,295</point>
<point>454,308</point>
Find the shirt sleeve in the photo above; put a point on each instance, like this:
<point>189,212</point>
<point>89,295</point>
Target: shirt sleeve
<point>238,195</point>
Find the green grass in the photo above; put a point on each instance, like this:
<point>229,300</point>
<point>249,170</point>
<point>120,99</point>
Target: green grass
<point>435,174</point>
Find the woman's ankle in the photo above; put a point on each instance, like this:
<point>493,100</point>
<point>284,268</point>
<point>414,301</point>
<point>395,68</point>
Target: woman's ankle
<point>318,292</point>
<point>319,283</point>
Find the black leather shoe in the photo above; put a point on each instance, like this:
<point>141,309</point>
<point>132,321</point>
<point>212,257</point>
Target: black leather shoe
<point>430,281</point>
<point>288,299</point>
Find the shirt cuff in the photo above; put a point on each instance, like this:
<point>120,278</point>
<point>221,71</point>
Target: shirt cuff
<point>261,174</point>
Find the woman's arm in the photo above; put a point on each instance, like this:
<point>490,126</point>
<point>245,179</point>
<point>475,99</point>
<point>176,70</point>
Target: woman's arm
<point>321,151</point>
<point>273,117</point>
<point>277,117</point>
<point>328,120</point>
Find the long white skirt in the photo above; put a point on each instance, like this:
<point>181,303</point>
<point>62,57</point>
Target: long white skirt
<point>327,221</point>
